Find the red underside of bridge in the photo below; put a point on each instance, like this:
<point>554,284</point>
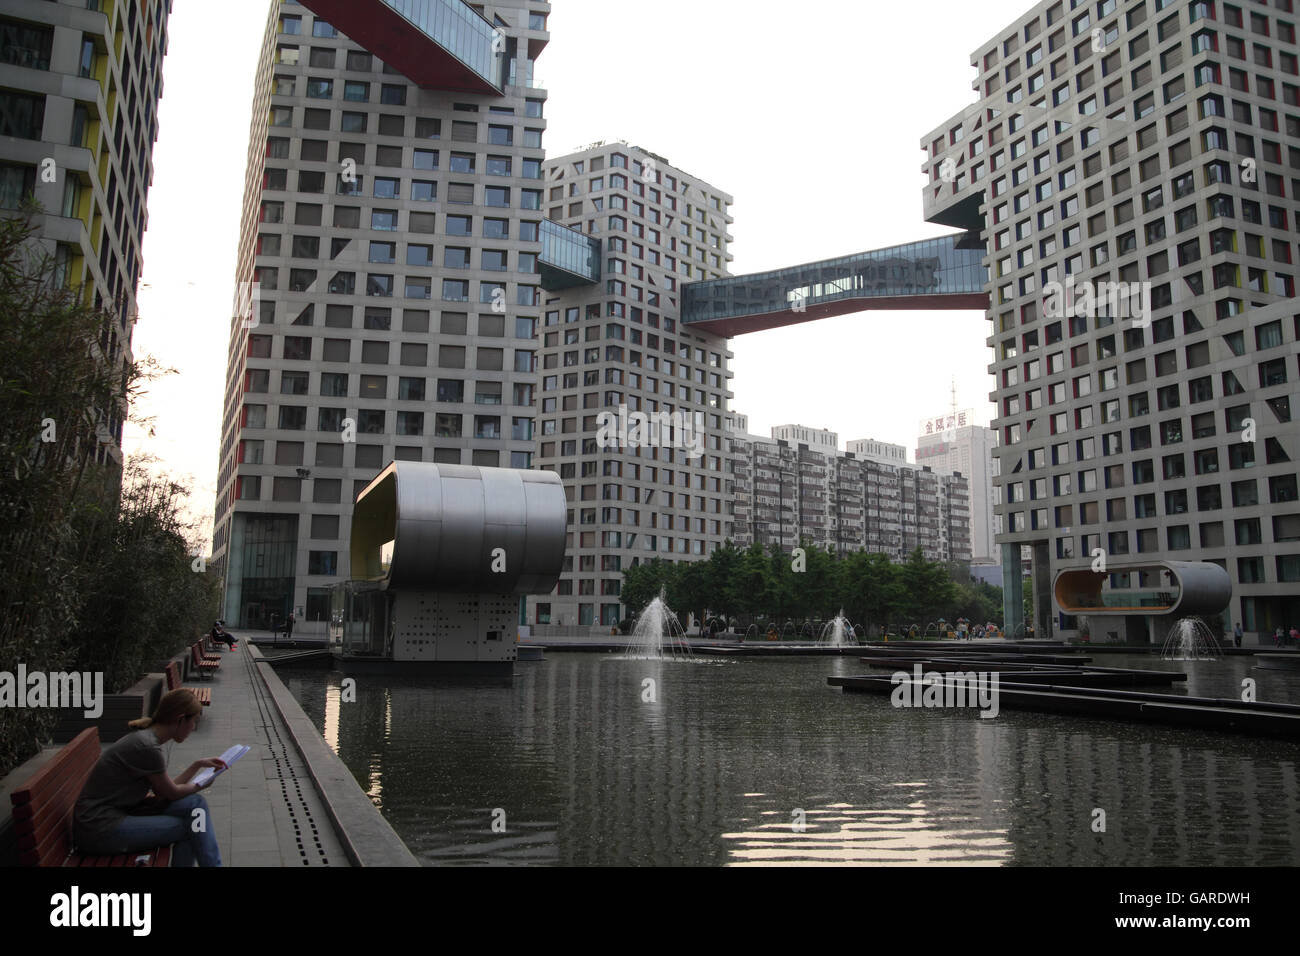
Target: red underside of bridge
<point>739,325</point>
<point>391,37</point>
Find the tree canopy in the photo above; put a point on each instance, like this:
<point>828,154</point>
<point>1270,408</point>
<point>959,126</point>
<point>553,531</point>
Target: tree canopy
<point>772,586</point>
<point>97,566</point>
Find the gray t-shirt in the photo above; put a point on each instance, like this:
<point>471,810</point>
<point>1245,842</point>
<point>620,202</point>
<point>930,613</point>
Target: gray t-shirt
<point>119,782</point>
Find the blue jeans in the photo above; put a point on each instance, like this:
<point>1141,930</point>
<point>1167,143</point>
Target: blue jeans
<point>175,825</point>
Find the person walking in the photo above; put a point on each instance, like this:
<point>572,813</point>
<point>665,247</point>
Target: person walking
<point>1236,633</point>
<point>1295,636</point>
<point>114,813</point>
<point>1277,636</point>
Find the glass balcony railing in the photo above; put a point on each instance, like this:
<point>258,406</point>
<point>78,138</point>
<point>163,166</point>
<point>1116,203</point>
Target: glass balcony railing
<point>461,31</point>
<point>568,258</point>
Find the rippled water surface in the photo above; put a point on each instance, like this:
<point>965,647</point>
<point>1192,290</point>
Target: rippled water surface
<point>592,759</point>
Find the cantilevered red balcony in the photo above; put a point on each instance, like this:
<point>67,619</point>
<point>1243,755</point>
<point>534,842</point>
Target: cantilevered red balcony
<point>437,44</point>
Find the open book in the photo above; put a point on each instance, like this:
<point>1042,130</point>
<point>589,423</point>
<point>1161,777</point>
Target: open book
<point>228,758</point>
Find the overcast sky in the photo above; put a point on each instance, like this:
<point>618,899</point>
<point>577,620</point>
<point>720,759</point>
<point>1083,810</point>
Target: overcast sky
<point>810,114</point>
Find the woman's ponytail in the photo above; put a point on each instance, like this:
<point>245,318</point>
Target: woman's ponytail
<point>173,706</point>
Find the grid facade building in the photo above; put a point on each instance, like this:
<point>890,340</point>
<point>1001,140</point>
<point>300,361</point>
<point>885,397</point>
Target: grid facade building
<point>617,346</point>
<point>392,235</point>
<point>1154,145</point>
<point>79,90</point>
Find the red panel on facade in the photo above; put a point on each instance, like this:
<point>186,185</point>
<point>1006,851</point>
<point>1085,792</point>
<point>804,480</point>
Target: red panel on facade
<point>389,36</point>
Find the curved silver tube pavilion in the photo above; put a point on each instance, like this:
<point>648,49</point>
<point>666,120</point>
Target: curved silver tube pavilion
<point>441,556</point>
<point>1155,588</point>
<point>460,528</point>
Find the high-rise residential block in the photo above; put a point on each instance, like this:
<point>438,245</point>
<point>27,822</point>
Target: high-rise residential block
<point>1131,168</point>
<point>389,276</point>
<point>868,449</point>
<point>79,89</point>
<point>787,494</point>
<point>631,403</point>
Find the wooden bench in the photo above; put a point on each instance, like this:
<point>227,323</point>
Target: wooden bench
<point>173,672</point>
<point>213,648</point>
<point>43,812</point>
<point>201,663</point>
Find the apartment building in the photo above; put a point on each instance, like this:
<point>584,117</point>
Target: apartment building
<point>631,405</point>
<point>869,449</point>
<point>1153,146</point>
<point>79,88</point>
<point>788,493</point>
<point>388,273</point>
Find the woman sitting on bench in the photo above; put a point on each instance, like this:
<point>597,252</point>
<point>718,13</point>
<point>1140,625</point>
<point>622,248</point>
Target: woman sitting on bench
<point>219,635</point>
<point>115,813</point>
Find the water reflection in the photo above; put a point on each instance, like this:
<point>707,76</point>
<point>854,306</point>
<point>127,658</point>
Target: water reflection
<point>706,764</point>
<point>908,833</point>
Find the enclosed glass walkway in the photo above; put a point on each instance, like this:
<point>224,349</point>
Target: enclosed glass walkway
<point>937,274</point>
<point>569,257</point>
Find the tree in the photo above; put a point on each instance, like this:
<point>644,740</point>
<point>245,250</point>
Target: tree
<point>643,582</point>
<point>690,591</point>
<point>875,594</point>
<point>818,587</point>
<point>92,577</point>
<point>978,601</point>
<point>723,579</point>
<point>779,597</point>
<point>753,585</point>
<point>928,591</point>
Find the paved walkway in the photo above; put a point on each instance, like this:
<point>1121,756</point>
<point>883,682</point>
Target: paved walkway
<point>266,810</point>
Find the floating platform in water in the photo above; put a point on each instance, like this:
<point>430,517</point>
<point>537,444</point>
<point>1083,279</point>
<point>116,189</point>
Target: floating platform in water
<point>315,655</point>
<point>1033,660</point>
<point>708,648</point>
<point>777,649</point>
<point>530,652</point>
<point>1259,718</point>
<point>1278,662</point>
<point>1037,673</point>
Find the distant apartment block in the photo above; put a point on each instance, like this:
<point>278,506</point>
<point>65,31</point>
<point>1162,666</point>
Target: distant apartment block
<point>868,449</point>
<point>785,494</point>
<point>820,440</point>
